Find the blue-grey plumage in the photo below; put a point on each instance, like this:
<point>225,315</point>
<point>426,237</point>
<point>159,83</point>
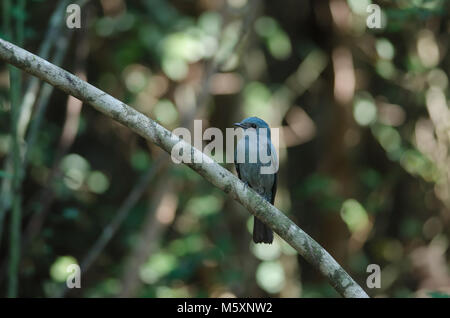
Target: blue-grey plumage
<point>250,172</point>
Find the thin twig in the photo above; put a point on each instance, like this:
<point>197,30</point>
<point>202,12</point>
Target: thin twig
<point>121,215</point>
<point>16,213</point>
<point>69,130</point>
<point>52,35</point>
<point>36,220</point>
<point>149,238</point>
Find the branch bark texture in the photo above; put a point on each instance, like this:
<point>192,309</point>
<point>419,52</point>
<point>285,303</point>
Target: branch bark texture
<point>315,254</point>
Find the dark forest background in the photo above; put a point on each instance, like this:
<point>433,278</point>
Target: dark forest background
<point>364,146</point>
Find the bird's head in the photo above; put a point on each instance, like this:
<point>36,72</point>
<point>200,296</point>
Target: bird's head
<point>253,123</point>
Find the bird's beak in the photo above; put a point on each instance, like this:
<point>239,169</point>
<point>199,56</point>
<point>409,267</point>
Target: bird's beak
<point>239,125</point>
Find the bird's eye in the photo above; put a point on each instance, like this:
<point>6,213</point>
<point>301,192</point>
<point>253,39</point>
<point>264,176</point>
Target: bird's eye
<point>253,125</point>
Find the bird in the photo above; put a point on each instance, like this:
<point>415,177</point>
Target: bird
<point>249,172</point>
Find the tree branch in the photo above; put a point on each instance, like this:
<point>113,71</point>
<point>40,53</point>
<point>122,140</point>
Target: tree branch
<point>211,171</point>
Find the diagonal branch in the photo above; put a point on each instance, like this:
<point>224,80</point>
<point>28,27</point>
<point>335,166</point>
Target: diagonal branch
<point>315,254</point>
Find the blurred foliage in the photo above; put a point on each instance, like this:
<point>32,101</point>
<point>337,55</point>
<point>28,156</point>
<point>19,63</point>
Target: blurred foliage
<point>364,148</point>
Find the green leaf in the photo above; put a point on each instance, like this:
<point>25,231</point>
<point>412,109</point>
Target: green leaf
<point>4,174</point>
<point>438,294</point>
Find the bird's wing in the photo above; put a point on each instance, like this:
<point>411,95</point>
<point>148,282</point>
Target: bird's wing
<point>237,170</point>
<point>274,188</point>
<point>236,164</point>
<point>273,153</point>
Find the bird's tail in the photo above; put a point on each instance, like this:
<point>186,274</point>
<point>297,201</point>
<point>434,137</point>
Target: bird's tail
<point>261,232</point>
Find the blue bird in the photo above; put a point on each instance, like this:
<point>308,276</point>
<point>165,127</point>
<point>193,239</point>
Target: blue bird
<point>249,170</point>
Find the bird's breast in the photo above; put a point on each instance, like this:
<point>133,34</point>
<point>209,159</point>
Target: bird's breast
<point>250,172</point>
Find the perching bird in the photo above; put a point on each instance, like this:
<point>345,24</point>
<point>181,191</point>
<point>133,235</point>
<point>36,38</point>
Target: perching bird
<point>250,173</point>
